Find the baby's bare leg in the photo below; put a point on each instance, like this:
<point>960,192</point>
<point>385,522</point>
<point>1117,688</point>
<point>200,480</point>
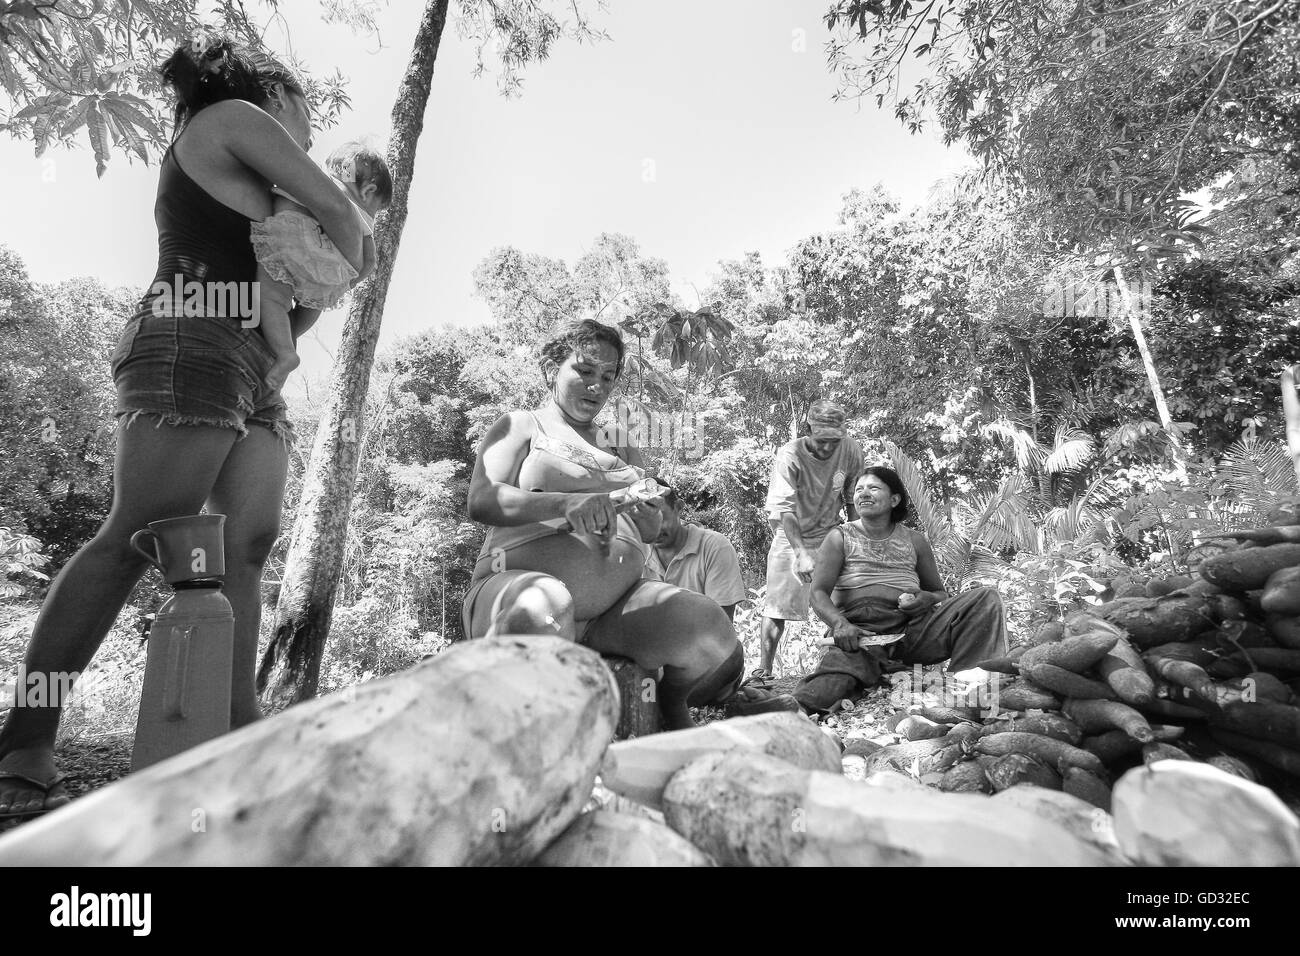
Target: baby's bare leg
<point>275,300</point>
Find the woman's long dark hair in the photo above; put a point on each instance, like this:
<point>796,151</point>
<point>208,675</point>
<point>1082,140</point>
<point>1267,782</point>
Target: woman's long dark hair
<point>210,70</point>
<point>890,478</point>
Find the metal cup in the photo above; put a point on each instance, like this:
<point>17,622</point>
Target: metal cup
<point>185,549</point>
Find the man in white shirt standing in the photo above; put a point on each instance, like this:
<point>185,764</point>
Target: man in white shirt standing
<point>809,494</point>
<point>695,558</point>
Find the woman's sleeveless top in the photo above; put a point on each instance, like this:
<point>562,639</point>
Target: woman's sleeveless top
<point>561,463</point>
<point>202,241</point>
<point>890,561</point>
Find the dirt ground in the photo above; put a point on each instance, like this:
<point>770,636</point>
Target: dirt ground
<point>89,763</point>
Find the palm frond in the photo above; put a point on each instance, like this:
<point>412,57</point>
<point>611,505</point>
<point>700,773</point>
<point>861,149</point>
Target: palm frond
<point>954,560</point>
<point>983,568</point>
<point>1028,452</point>
<point>1063,522</point>
<point>1001,520</point>
<point>934,522</point>
<point>1258,473</point>
<point>1071,450</point>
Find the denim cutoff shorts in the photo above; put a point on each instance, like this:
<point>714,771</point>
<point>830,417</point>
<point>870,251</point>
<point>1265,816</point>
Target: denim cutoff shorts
<point>191,370</point>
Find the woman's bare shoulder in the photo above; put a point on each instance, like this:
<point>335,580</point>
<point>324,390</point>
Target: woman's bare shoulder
<point>517,425</point>
<point>220,119</point>
<point>232,111</point>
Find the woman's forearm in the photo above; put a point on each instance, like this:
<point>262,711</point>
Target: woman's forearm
<point>505,505</point>
<point>339,220</point>
<point>825,609</point>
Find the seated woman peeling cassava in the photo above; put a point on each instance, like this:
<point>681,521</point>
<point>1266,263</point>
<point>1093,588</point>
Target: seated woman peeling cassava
<point>530,578</point>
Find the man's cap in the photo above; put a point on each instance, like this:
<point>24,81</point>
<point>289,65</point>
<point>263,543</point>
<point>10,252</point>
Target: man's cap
<point>825,420</point>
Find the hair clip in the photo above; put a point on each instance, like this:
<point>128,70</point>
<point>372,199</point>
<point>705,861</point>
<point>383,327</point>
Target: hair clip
<point>348,170</point>
<point>202,46</point>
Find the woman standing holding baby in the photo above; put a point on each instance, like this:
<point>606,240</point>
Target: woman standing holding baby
<point>198,421</point>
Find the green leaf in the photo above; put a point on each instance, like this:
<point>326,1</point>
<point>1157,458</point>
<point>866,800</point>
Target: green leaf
<point>76,117</point>
<point>98,139</point>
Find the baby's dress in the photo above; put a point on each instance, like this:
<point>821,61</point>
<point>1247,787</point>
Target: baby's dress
<point>293,249</point>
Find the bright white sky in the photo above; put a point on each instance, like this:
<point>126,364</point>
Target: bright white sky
<point>727,99</point>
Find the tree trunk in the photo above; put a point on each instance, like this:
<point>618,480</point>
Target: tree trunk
<point>639,713</point>
<point>1134,313</point>
<point>1291,412</point>
<point>1044,479</point>
<point>290,669</point>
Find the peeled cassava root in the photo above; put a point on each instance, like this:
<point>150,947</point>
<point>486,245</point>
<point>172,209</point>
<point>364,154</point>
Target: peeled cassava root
<point>406,770</point>
<point>753,810</point>
<point>916,727</point>
<point>607,838</point>
<point>1185,813</point>
<point>1074,814</point>
<point>641,768</point>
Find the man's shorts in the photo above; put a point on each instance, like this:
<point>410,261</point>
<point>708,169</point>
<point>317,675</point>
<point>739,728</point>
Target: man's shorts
<point>787,596</point>
<point>190,370</point>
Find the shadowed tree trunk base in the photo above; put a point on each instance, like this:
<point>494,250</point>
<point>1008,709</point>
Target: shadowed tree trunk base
<point>292,660</point>
<point>638,693</point>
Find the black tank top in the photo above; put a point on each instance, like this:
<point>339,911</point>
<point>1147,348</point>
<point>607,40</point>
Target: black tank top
<point>199,238</point>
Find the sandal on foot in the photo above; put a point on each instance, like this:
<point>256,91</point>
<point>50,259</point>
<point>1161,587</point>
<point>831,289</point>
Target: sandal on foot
<point>760,678</point>
<point>749,701</point>
<point>52,789</point>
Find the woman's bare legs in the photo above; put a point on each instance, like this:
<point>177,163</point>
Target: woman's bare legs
<point>159,472</point>
<point>687,634</point>
<point>523,602</point>
<point>656,625</point>
<point>249,492</point>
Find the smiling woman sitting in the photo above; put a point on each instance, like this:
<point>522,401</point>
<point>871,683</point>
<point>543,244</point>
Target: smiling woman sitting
<point>874,577</point>
<point>586,585</point>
